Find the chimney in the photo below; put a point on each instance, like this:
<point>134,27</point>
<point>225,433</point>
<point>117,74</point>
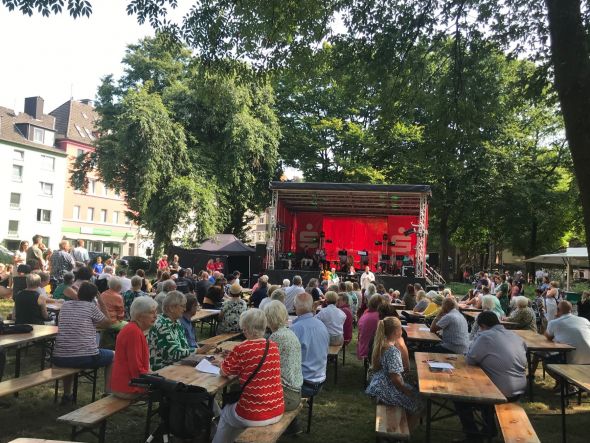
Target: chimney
<point>34,107</point>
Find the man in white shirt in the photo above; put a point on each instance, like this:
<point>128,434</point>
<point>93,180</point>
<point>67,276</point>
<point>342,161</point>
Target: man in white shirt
<point>572,330</point>
<point>80,253</point>
<point>367,278</point>
<point>333,318</point>
<point>293,291</point>
<point>125,282</point>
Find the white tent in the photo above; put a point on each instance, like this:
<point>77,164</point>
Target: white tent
<point>571,257</point>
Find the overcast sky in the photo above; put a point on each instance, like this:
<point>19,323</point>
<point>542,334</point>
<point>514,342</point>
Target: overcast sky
<point>59,57</point>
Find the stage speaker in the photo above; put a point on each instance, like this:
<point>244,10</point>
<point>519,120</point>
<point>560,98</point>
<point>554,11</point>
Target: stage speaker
<point>257,263</point>
<point>433,259</point>
<point>408,271</point>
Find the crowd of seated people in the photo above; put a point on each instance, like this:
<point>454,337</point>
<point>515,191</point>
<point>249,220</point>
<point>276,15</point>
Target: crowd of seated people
<point>155,330</point>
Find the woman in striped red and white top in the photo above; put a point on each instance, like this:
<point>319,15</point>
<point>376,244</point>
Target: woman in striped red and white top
<point>261,402</point>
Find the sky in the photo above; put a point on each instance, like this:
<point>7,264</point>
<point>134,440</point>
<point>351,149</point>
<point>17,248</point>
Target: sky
<point>59,57</point>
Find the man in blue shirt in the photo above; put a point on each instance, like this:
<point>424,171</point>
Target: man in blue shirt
<point>314,338</point>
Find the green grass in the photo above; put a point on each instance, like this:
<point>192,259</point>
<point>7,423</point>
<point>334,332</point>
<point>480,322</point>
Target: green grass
<point>342,412</point>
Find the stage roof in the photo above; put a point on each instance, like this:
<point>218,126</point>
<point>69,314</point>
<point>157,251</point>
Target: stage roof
<point>351,198</point>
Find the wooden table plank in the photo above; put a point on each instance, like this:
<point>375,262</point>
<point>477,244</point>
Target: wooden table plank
<point>538,342</point>
<point>39,332</point>
<point>38,440</point>
<point>190,376</point>
<point>220,338</point>
<point>399,306</point>
<point>204,314</point>
<point>469,309</point>
<point>515,425</point>
<point>578,375</point>
<point>415,334</point>
<point>472,316</point>
<point>464,383</point>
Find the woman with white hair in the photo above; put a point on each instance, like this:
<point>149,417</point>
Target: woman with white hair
<point>257,364</point>
<point>132,356</point>
<point>167,340</point>
<point>523,314</point>
<point>488,303</point>
<point>290,352</point>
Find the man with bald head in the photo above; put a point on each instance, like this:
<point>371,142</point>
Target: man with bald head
<point>572,330</point>
<point>455,334</point>
<point>315,339</point>
<point>61,262</point>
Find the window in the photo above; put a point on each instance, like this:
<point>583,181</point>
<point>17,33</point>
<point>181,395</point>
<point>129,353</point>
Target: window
<point>38,135</point>
<point>15,200</point>
<point>105,191</point>
<point>18,155</point>
<point>117,195</point>
<point>17,173</point>
<point>127,220</point>
<point>44,215</point>
<point>46,188</point>
<point>91,186</point>
<point>12,227</point>
<point>103,215</point>
<point>89,133</point>
<point>76,213</point>
<point>79,129</point>
<point>90,214</point>
<point>260,236</point>
<point>261,220</point>
<point>115,217</point>
<point>47,163</point>
<point>80,152</point>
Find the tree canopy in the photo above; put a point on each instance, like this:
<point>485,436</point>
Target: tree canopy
<point>192,148</point>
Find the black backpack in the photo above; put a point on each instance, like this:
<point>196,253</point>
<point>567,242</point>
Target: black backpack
<point>184,409</point>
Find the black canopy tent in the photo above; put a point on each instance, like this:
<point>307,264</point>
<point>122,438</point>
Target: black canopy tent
<point>235,255</point>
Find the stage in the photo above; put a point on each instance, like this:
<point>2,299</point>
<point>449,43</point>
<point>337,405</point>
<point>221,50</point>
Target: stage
<point>276,276</point>
<point>349,226</point>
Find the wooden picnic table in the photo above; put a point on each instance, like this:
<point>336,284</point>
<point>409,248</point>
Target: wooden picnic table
<point>399,306</point>
<point>204,314</point>
<point>464,383</point>
<point>469,309</point>
<point>40,333</point>
<point>472,316</point>
<point>577,375</point>
<point>215,341</point>
<point>540,343</point>
<point>420,333</point>
<point>410,312</point>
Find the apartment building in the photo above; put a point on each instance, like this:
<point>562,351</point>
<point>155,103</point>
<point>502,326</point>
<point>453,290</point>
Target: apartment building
<point>257,228</point>
<point>31,176</point>
<point>98,215</point>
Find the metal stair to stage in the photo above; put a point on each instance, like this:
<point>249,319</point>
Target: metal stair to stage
<point>433,278</point>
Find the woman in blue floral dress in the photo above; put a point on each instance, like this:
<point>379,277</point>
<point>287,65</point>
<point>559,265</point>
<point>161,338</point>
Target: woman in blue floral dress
<point>387,385</point>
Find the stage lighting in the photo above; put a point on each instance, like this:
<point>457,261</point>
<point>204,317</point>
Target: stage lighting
<point>385,237</point>
<point>391,243</point>
<point>410,231</point>
<point>378,243</point>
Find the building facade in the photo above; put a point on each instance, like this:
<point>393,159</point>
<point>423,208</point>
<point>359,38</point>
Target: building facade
<point>96,216</point>
<point>257,228</point>
<point>31,176</point>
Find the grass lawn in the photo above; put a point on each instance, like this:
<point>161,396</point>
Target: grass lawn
<point>342,412</point>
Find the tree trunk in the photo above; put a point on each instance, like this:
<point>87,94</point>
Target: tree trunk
<point>569,50</point>
<point>444,243</point>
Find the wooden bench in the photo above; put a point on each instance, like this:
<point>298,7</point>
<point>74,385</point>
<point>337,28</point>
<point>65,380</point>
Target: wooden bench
<point>15,385</point>
<point>220,338</point>
<point>94,414</point>
<point>391,422</point>
<point>515,424</point>
<point>38,440</point>
<point>333,352</point>
<point>270,433</point>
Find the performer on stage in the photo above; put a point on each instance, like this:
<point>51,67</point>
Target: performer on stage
<point>367,278</point>
<point>334,279</point>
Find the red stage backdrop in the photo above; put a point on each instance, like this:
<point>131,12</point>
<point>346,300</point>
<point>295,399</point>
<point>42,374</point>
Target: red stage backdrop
<point>348,233</point>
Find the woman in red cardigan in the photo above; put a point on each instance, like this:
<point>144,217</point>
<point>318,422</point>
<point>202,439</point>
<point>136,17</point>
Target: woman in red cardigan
<point>261,402</point>
<point>132,356</point>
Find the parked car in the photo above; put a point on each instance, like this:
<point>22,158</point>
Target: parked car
<point>135,262</point>
<point>6,256</point>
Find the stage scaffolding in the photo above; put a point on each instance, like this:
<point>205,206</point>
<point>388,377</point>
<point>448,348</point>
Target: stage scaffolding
<point>350,199</point>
